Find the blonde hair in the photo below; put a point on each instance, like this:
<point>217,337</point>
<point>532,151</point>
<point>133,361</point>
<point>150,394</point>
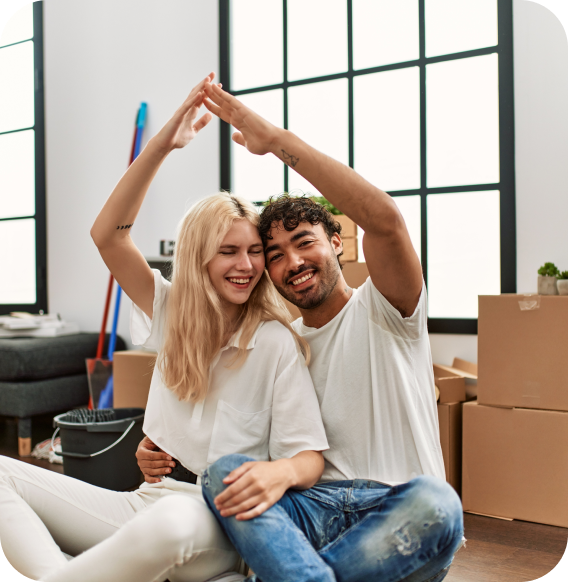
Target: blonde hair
<point>196,323</point>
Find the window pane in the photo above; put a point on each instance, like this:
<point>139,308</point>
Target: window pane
<point>462,117</point>
<point>409,207</point>
<point>256,43</point>
<point>384,32</point>
<point>317,113</point>
<point>259,177</point>
<point>317,38</point>
<point>17,174</point>
<point>387,128</point>
<point>17,87</point>
<point>463,252</point>
<point>17,261</point>
<point>20,26</point>
<point>453,26</point>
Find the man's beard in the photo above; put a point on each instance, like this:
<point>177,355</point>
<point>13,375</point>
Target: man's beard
<point>314,297</point>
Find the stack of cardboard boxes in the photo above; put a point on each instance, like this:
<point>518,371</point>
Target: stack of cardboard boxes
<point>456,384</point>
<point>515,437</point>
<point>349,238</point>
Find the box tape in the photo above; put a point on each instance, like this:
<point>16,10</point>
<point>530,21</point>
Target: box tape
<point>529,302</point>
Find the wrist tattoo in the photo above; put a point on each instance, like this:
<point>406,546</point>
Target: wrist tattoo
<point>290,159</point>
<point>124,226</point>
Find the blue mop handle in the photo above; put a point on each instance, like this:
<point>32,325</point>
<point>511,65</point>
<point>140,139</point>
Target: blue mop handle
<point>140,122</point>
<point>140,128</point>
<point>112,341</point>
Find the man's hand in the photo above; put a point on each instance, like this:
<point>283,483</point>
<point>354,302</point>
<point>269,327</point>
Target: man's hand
<point>253,488</point>
<point>152,461</point>
<point>253,131</point>
<point>183,127</point>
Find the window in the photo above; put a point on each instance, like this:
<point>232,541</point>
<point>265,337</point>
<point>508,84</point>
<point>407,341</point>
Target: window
<point>22,164</point>
<point>416,96</point>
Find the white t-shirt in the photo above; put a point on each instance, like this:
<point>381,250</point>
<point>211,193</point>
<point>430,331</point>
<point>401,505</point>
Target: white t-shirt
<point>372,371</point>
<point>266,408</point>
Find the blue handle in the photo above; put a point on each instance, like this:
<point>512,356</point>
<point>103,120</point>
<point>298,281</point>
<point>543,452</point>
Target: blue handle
<point>142,115</point>
<point>106,397</point>
<point>140,128</point>
<point>112,341</point>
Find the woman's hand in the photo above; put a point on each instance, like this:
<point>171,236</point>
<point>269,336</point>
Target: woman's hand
<point>255,486</point>
<point>183,127</point>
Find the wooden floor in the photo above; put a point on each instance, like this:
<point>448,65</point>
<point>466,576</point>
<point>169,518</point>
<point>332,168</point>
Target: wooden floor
<point>496,550</point>
<point>507,551</point>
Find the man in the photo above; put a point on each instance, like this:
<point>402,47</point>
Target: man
<point>376,515</point>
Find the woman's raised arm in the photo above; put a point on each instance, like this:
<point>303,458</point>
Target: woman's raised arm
<point>111,230</point>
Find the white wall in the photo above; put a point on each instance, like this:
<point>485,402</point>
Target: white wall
<point>541,126</point>
<point>101,60</point>
<point>541,156</point>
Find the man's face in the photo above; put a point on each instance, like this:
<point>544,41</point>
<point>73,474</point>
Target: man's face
<point>303,264</point>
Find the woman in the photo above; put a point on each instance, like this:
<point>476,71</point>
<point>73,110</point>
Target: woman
<point>230,378</point>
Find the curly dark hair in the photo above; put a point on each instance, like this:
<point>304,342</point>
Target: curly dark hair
<point>291,210</point>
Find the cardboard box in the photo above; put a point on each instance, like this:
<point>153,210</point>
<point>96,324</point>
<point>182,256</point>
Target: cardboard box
<point>349,250</point>
<point>515,463</point>
<point>450,421</point>
<point>456,383</point>
<point>132,376</point>
<point>348,227</point>
<point>522,347</point>
<point>355,275</point>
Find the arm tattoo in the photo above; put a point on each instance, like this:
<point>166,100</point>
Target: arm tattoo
<point>124,226</point>
<point>290,159</point>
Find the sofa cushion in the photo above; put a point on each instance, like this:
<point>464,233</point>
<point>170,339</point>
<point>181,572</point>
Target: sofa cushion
<point>25,359</point>
<point>23,399</point>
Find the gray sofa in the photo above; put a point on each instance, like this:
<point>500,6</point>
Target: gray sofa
<point>44,375</point>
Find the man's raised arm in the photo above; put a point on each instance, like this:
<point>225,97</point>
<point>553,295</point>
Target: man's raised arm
<point>392,261</point>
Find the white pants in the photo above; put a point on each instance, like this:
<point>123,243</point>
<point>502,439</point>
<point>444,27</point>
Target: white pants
<point>160,531</point>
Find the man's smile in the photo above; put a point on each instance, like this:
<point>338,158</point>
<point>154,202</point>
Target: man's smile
<point>301,280</point>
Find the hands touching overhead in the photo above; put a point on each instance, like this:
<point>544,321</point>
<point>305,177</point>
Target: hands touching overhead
<point>183,127</point>
<point>253,131</point>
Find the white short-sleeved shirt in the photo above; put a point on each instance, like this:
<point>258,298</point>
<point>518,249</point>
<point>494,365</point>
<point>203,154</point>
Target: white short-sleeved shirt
<point>266,408</point>
<point>372,371</point>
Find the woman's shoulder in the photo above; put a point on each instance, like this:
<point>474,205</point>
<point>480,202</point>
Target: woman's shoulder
<point>276,336</point>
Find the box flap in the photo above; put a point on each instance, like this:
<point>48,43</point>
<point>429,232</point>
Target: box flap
<point>468,370</point>
<point>451,389</point>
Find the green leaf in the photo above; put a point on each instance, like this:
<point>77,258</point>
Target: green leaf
<point>549,270</point>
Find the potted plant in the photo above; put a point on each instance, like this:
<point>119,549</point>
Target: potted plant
<point>562,283</point>
<point>547,279</point>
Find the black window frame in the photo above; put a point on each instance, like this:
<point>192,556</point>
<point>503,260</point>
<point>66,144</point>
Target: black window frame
<point>506,185</point>
<point>40,203</point>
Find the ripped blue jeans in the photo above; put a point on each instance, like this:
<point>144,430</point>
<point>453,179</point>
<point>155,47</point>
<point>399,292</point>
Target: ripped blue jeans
<point>347,531</point>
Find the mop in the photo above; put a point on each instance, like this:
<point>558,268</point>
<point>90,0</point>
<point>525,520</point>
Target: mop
<point>106,396</point>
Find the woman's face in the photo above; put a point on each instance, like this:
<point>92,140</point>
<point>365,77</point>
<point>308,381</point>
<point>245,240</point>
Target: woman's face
<point>238,264</point>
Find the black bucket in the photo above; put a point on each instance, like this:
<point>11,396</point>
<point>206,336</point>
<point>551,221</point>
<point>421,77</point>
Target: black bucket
<point>99,446</point>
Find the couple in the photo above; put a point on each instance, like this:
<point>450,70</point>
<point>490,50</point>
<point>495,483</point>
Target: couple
<point>233,402</point>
